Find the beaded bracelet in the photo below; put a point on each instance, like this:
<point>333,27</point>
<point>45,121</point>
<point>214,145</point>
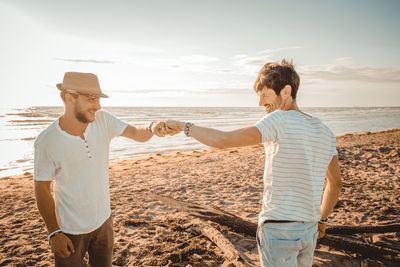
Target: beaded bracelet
<point>186,128</point>
<point>324,221</point>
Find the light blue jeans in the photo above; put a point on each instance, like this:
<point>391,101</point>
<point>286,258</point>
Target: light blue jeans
<point>287,244</point>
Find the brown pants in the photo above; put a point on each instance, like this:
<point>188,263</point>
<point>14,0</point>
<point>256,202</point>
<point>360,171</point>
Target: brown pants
<point>99,244</point>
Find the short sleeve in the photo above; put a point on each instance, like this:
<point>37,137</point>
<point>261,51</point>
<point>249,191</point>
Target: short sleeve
<point>115,126</point>
<point>44,167</point>
<point>269,127</point>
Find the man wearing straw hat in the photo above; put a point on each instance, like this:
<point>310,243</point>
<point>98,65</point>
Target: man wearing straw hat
<point>300,152</point>
<point>73,151</point>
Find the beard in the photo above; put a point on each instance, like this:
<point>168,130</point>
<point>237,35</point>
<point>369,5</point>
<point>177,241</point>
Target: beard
<point>80,116</point>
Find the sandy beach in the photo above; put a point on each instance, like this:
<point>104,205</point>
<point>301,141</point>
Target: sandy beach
<point>148,233</point>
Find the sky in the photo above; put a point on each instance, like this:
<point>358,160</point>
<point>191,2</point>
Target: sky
<point>200,53</point>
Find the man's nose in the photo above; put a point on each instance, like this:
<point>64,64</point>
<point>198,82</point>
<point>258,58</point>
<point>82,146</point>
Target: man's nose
<point>261,102</point>
<point>97,104</point>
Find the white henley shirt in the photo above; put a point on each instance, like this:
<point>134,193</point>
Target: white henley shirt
<point>80,170</point>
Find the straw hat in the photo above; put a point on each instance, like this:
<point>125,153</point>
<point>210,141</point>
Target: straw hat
<point>81,83</point>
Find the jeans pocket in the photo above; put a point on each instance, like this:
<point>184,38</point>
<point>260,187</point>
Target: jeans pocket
<point>284,251</point>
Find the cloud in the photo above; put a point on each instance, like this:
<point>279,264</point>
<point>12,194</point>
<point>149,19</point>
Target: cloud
<point>199,59</point>
<point>273,51</point>
<point>250,65</point>
<point>94,61</point>
<point>240,64</point>
<point>343,69</point>
<point>201,91</point>
<point>247,65</point>
<point>225,70</point>
<point>239,56</point>
<point>262,57</point>
<point>192,63</point>
<point>251,62</point>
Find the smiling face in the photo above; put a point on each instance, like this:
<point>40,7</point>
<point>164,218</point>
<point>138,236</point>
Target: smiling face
<point>85,108</point>
<point>270,100</point>
<point>276,85</point>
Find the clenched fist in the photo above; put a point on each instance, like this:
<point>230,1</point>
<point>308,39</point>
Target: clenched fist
<point>61,245</point>
<point>321,228</point>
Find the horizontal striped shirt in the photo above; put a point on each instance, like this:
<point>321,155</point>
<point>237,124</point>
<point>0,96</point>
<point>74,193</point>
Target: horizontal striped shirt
<point>298,150</point>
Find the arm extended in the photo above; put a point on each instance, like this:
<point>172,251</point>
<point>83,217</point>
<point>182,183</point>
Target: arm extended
<point>220,139</point>
<point>143,133</point>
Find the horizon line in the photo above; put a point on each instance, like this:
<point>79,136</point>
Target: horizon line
<point>115,106</point>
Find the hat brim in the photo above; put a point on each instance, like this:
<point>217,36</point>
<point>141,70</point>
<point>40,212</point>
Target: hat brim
<point>59,87</point>
<point>102,95</point>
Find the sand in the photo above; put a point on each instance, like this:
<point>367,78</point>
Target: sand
<point>147,233</point>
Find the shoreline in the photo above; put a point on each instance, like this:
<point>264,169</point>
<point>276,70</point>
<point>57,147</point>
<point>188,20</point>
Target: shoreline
<point>186,151</point>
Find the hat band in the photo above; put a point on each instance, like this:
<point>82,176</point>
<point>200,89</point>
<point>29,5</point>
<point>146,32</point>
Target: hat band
<point>73,91</point>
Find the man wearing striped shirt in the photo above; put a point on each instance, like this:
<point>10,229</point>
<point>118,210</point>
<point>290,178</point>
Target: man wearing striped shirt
<point>300,152</point>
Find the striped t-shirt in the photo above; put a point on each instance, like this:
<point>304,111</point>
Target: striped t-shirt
<point>298,150</point>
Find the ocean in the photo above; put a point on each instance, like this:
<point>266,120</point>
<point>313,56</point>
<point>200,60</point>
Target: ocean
<point>19,127</point>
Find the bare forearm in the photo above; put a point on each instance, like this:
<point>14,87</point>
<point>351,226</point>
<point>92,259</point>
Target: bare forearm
<point>45,203</point>
<point>143,133</point>
<point>330,198</point>
<point>216,138</point>
<point>209,137</point>
<point>333,187</point>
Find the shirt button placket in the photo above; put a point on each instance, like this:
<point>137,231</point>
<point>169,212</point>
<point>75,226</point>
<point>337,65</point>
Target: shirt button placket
<point>87,150</point>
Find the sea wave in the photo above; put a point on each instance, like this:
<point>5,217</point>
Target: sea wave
<point>19,127</point>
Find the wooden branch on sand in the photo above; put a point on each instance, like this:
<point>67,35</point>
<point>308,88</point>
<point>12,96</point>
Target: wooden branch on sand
<point>238,225</point>
<point>348,229</point>
<point>229,250</point>
<point>211,213</point>
<point>357,246</point>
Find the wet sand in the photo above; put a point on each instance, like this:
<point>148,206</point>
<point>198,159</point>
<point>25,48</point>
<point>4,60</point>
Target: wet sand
<point>147,233</point>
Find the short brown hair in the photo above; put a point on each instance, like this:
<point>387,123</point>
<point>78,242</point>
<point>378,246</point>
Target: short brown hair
<point>276,75</point>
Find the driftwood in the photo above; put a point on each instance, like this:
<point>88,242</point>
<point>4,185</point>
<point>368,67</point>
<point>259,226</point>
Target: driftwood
<point>384,242</point>
<point>212,213</point>
<point>230,252</point>
<point>357,246</point>
<point>336,229</point>
<point>238,225</point>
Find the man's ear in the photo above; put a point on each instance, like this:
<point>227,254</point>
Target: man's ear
<point>286,91</point>
<point>69,98</point>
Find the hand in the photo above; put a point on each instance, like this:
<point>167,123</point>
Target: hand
<point>61,245</point>
<point>174,127</point>
<point>159,128</point>
<point>321,228</point>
